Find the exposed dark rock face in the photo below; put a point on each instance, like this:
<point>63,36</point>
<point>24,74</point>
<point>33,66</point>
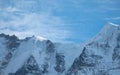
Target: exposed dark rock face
<point>12,43</point>
<point>116,54</point>
<point>91,62</point>
<point>50,46</point>
<point>116,51</point>
<point>45,67</point>
<point>86,59</point>
<point>98,57</point>
<point>29,67</point>
<point>60,63</point>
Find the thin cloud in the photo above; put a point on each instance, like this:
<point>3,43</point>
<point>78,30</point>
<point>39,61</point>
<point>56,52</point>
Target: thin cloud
<point>11,9</point>
<point>55,19</point>
<point>44,25</point>
<point>113,18</point>
<point>26,18</point>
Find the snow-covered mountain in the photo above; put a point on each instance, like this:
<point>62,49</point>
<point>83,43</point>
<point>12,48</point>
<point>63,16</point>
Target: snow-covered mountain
<point>40,56</point>
<point>100,55</point>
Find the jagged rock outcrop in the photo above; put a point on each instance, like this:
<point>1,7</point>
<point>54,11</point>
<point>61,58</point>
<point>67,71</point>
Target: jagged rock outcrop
<point>100,55</point>
<point>29,67</point>
<point>60,63</point>
<point>39,56</point>
<point>11,43</point>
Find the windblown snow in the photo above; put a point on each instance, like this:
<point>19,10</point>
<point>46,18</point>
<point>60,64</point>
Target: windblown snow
<point>39,56</point>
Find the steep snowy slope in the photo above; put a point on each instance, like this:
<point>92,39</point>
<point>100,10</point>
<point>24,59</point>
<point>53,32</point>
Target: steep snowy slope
<point>7,46</point>
<point>100,55</point>
<point>32,52</point>
<point>35,55</point>
<point>70,51</point>
<point>40,56</point>
<point>2,48</point>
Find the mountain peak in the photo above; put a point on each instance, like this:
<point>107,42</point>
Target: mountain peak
<point>38,38</point>
<point>108,34</point>
<point>109,29</point>
<point>111,25</point>
<point>35,38</point>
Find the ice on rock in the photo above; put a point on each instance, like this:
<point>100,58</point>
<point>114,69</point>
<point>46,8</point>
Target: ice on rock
<point>39,56</point>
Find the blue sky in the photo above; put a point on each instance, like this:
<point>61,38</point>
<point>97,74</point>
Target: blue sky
<point>70,21</point>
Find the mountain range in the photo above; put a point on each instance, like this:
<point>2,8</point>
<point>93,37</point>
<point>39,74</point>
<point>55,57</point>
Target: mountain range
<point>39,56</point>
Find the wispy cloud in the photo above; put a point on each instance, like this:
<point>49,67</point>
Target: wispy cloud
<point>113,18</point>
<point>55,19</point>
<point>11,9</point>
<point>26,18</point>
<point>44,25</point>
<point>101,6</point>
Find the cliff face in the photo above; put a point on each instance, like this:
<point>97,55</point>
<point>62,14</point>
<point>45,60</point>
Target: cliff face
<point>101,55</point>
<point>28,56</point>
<point>36,56</point>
